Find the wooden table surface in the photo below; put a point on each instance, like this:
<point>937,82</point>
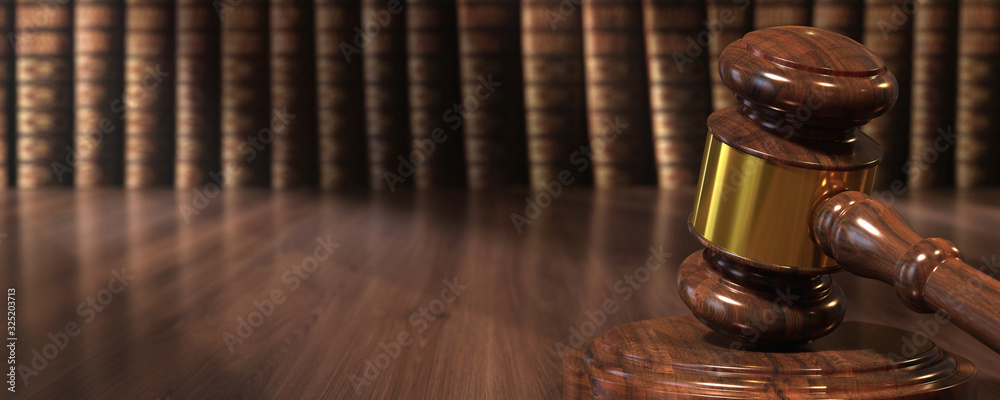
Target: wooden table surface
<point>425,295</point>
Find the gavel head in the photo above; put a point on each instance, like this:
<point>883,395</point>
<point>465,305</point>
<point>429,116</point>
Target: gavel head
<point>792,143</point>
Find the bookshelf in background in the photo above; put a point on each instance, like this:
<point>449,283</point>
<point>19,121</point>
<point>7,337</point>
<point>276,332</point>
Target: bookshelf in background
<point>842,16</point>
<point>679,89</point>
<point>43,46</point>
<point>293,93</point>
<point>387,108</point>
<point>617,93</point>
<point>197,105</point>
<point>891,38</point>
<point>572,76</point>
<point>7,90</point>
<point>246,107</point>
<point>768,13</point>
<point>728,20</point>
<point>98,130</point>
<point>555,111</point>
<point>339,97</point>
<point>149,93</point>
<point>932,115</point>
<point>432,66</point>
<point>978,107</point>
<point>492,92</point>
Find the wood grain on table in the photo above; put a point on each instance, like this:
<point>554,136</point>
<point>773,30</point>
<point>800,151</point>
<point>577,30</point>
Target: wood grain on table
<point>425,295</point>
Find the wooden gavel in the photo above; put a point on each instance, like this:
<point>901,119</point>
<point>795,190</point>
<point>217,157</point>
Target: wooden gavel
<point>781,200</point>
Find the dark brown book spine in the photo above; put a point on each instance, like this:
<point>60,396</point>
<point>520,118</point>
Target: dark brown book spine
<point>44,46</point>
<point>935,30</point>
<point>149,91</point>
<point>492,92</point>
<point>978,105</point>
<point>246,96</point>
<point>339,98</point>
<point>842,16</point>
<point>768,13</point>
<point>383,30</point>
<point>98,130</point>
<point>555,110</point>
<point>617,93</point>
<point>7,90</point>
<point>197,116</point>
<point>293,91</point>
<point>433,79</point>
<point>891,38</point>
<point>728,20</point>
<point>680,93</point>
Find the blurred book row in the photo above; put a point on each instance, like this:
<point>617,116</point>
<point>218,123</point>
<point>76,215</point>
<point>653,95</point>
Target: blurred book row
<point>435,93</point>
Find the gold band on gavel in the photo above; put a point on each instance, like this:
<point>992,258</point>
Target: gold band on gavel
<point>762,210</point>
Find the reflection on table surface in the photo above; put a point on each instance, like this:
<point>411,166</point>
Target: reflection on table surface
<point>258,294</point>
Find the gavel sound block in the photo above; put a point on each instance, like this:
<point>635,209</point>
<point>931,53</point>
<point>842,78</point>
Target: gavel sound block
<point>781,205</point>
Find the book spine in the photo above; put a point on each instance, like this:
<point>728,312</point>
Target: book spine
<point>728,21</point>
<point>978,94</point>
<point>768,13</point>
<point>387,128</point>
<point>246,110</point>
<point>679,92</point>
<point>617,93</point>
<point>555,111</point>
<point>197,113</point>
<point>293,155</point>
<point>492,92</point>
<point>149,91</point>
<point>43,42</point>
<point>339,97</point>
<point>891,38</point>
<point>935,33</point>
<point>7,89</point>
<point>433,89</point>
<point>97,129</point>
<point>841,16</point>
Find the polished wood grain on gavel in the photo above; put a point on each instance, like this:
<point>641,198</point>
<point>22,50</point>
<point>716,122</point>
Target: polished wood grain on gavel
<point>781,205</point>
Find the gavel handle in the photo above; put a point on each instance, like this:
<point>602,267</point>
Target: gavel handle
<point>869,238</point>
